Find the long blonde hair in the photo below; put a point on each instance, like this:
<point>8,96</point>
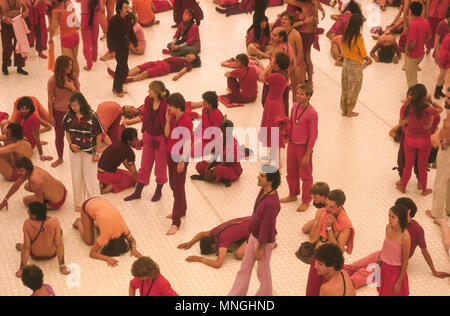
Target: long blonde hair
<point>159,88</point>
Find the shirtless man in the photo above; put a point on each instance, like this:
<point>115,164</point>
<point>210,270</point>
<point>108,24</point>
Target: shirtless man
<point>310,9</point>
<point>219,239</point>
<point>46,189</point>
<point>8,11</point>
<point>42,238</point>
<point>16,147</point>
<point>329,261</point>
<point>298,72</point>
<point>386,50</point>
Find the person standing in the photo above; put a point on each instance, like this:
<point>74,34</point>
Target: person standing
<point>262,235</point>
<point>303,136</point>
<point>178,130</point>
<point>38,26</point>
<point>90,25</point>
<point>419,34</point>
<point>60,87</point>
<point>153,116</point>
<point>84,134</point>
<point>9,10</point>
<point>354,53</point>
<point>120,34</point>
<point>435,13</point>
<point>442,30</point>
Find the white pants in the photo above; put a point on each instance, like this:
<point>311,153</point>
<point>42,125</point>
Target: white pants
<point>84,177</point>
<point>441,190</point>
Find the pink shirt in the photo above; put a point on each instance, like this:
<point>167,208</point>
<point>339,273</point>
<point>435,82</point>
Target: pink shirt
<point>304,125</point>
<point>108,112</point>
<point>160,287</point>
<point>419,29</point>
<point>61,95</point>
<point>391,252</point>
<point>415,125</point>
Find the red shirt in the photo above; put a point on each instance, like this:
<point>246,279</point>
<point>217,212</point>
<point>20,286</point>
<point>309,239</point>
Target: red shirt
<point>415,124</point>
<point>153,120</point>
<point>442,30</point>
<point>185,124</point>
<point>232,231</point>
<point>419,29</point>
<point>264,217</point>
<point>304,125</point>
<point>438,8</point>
<point>160,287</point>
<point>28,125</point>
<point>192,38</point>
<point>108,112</point>
<point>176,64</point>
<point>444,53</point>
<point>263,41</point>
<point>417,235</point>
<point>247,79</point>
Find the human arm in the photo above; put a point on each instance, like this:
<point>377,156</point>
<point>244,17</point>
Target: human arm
<point>60,248</point>
<point>196,238</point>
<point>132,291</point>
<point>211,263</point>
<point>314,234</point>
<point>95,254</point>
<point>267,71</point>
<point>24,7</point>
<point>26,248</point>
<point>51,101</point>
<point>37,139</point>
<point>16,186</point>
<point>180,74</point>
<point>98,148</point>
<point>393,131</point>
<point>131,166</point>
<point>437,47</point>
<point>374,50</point>
<point>406,247</point>
<point>73,147</point>
<point>342,238</point>
<point>167,126</point>
<point>53,26</point>
<point>134,252</point>
<point>429,261</point>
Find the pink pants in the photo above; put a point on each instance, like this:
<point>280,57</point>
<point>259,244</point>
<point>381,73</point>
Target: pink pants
<point>295,172</point>
<point>120,180</point>
<point>242,281</point>
<point>420,147</point>
<point>434,22</point>
<point>177,183</point>
<point>59,132</point>
<point>89,33</point>
<point>222,172</point>
<point>152,156</point>
<point>358,270</point>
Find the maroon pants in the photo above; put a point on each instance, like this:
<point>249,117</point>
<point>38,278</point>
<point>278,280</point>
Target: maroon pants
<point>434,22</point>
<point>177,183</point>
<point>38,34</point>
<point>121,70</point>
<point>235,96</point>
<point>9,42</point>
<point>180,5</point>
<point>59,132</point>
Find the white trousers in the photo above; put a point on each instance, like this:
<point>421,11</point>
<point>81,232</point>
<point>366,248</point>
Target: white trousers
<point>441,190</point>
<point>84,177</point>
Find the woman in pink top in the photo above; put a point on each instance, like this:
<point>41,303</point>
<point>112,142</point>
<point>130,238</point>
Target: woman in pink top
<point>276,77</point>
<point>395,255</point>
<point>148,279</point>
<point>418,117</point>
<point>64,15</point>
<point>90,10</point>
<point>60,87</point>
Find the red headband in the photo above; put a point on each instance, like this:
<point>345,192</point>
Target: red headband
<point>188,12</point>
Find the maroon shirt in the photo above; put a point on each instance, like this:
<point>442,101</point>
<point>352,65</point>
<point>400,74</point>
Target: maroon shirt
<point>231,231</point>
<point>176,64</point>
<point>417,235</point>
<point>114,155</point>
<point>183,121</point>
<point>247,79</point>
<point>153,121</point>
<point>264,217</point>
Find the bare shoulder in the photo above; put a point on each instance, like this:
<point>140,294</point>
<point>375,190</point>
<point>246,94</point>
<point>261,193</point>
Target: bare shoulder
<point>327,289</point>
<point>406,238</point>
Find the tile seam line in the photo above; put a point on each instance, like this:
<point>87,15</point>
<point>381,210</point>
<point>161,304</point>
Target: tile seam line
<point>359,102</point>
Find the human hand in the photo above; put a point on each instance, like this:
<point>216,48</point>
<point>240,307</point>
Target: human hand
<point>46,158</point>
<point>52,121</point>
<point>330,220</point>
<point>395,60</point>
<point>19,274</point>
<point>4,204</point>
<point>64,270</point>
<point>377,59</point>
<point>112,262</point>
<point>50,41</point>
<point>75,148</point>
<point>194,259</point>
<point>69,85</point>
<point>184,246</point>
<point>176,77</point>
<point>397,287</point>
<point>96,157</point>
<point>7,20</point>
<point>259,253</point>
<point>135,253</point>
<point>167,116</point>
<point>180,167</point>
<point>441,275</point>
<point>305,161</point>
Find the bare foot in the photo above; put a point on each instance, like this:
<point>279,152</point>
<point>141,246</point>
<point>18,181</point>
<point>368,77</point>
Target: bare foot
<point>119,94</point>
<point>352,114</point>
<point>400,188</point>
<point>399,182</point>
<point>288,199</point>
<point>344,114</point>
<point>76,223</point>
<point>172,230</point>
<point>440,221</point>
<point>19,247</point>
<point>169,216</point>
<point>87,68</point>
<point>57,162</point>
<point>426,192</point>
<point>428,213</point>
<point>303,207</point>
<point>44,143</point>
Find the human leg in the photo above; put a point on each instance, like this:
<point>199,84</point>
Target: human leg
<point>293,172</point>
<point>89,173</point>
<point>422,162</point>
<point>242,280</point>
<point>410,156</point>
<point>443,223</point>
<point>263,272</point>
<point>5,168</point>
<point>121,72</point>
<point>59,137</point>
<point>441,188</point>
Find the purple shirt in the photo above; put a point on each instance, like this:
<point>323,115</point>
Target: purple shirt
<point>419,29</point>
<point>231,231</point>
<point>304,125</point>
<point>49,289</point>
<point>264,217</point>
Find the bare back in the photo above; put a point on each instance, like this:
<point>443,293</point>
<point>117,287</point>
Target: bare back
<point>51,188</point>
<point>45,244</point>
<point>309,9</point>
<point>21,148</point>
<point>338,286</point>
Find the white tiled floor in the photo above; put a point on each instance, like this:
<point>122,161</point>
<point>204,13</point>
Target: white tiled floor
<point>355,155</point>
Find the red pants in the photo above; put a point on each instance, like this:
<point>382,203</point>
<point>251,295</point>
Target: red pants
<point>9,42</point>
<point>315,281</point>
<point>434,22</point>
<point>162,5</point>
<point>389,275</point>
<point>152,156</point>
<point>419,147</point>
<point>295,172</point>
<point>89,34</point>
<point>235,96</point>
<point>177,183</point>
<point>59,132</point>
<point>222,172</point>
<point>120,180</point>
<point>155,68</point>
<point>38,33</point>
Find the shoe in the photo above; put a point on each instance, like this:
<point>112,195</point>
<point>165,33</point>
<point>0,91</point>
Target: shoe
<point>5,69</point>
<point>196,177</point>
<point>41,54</point>
<point>21,71</point>
<point>221,10</point>
<point>166,51</point>
<point>226,182</point>
<point>174,26</point>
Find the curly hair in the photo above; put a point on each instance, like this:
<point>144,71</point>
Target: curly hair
<point>145,267</point>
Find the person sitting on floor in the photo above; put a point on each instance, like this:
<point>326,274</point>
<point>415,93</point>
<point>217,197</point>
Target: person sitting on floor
<point>42,238</point>
<point>33,278</point>
<point>219,239</point>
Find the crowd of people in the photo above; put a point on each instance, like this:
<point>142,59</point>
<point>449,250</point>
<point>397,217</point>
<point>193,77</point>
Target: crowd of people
<point>100,141</point>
